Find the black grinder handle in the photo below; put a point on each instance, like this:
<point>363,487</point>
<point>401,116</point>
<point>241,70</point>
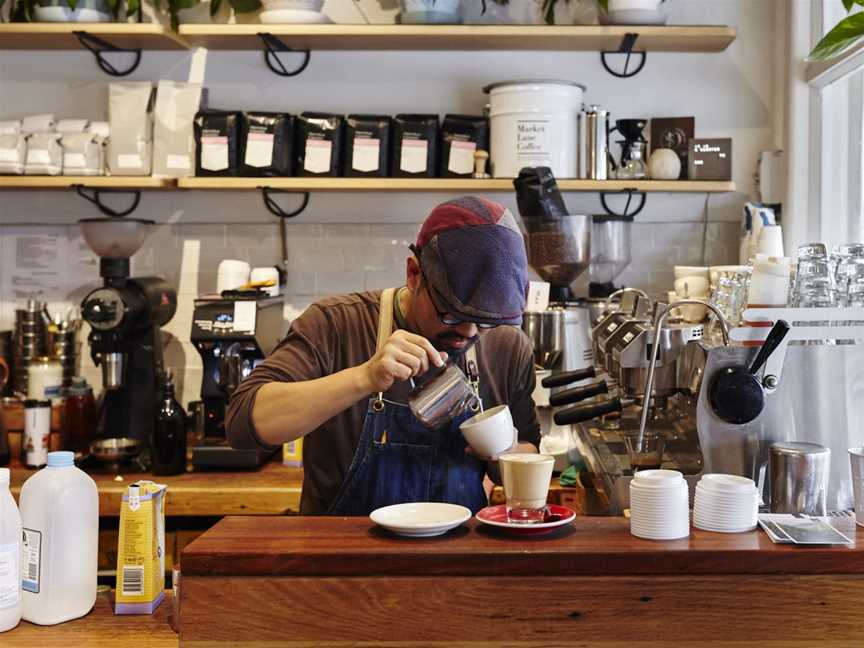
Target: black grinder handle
<point>587,411</point>
<point>577,394</point>
<point>566,377</point>
<point>775,337</point>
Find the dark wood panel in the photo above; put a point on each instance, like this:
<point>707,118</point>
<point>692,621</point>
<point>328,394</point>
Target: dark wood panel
<point>591,546</point>
<point>552,611</point>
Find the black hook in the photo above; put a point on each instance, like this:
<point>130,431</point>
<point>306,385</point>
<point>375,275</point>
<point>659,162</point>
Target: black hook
<point>626,213</point>
<point>276,210</point>
<point>626,47</point>
<point>96,199</point>
<point>98,47</point>
<point>273,46</point>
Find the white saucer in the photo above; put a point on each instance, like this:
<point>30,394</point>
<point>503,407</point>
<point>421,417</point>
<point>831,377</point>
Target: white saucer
<point>636,17</point>
<point>420,519</point>
<point>293,17</point>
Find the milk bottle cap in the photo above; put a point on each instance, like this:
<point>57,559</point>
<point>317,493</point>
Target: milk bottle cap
<point>61,459</point>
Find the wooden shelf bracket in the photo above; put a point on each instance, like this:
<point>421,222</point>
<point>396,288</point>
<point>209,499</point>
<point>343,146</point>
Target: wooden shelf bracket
<point>96,198</point>
<point>626,48</point>
<point>271,205</point>
<point>99,47</point>
<point>626,213</point>
<point>273,47</point>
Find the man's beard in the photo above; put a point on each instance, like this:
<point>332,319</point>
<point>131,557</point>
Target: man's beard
<point>444,342</point>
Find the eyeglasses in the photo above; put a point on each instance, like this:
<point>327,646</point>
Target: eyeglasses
<point>443,316</point>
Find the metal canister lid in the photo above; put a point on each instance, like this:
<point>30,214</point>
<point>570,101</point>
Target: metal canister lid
<point>487,89</point>
<point>798,448</point>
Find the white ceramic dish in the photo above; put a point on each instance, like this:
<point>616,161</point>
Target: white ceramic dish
<point>636,17</point>
<point>420,519</point>
<point>313,6</point>
<point>65,14</point>
<point>293,17</point>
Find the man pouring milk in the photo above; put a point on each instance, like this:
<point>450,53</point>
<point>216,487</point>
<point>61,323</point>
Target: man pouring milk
<point>340,378</point>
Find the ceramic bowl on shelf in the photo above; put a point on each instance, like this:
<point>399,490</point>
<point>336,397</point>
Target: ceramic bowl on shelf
<point>293,5</point>
<point>85,11</point>
<point>292,17</point>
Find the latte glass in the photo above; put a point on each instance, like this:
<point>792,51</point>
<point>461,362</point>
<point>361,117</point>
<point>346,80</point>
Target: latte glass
<point>526,480</point>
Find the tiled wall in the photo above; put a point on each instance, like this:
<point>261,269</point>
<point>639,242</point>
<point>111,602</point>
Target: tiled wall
<point>325,259</point>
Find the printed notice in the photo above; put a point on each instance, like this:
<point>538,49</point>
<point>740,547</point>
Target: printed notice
<point>31,555</point>
<point>244,316</point>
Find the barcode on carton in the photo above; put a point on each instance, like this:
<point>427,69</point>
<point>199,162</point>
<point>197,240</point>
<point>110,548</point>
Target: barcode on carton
<point>133,581</point>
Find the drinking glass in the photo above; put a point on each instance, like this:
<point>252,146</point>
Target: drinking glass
<point>814,285</point>
<point>650,455</point>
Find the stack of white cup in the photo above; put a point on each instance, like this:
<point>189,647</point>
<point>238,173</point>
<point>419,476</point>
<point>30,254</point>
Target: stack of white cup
<point>231,274</point>
<point>726,503</point>
<point>659,505</point>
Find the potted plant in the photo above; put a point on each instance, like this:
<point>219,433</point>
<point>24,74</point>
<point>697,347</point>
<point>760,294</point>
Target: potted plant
<point>845,34</point>
<point>176,8</point>
<point>69,10</point>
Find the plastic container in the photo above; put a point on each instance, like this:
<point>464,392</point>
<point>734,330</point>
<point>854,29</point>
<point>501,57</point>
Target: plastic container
<point>10,557</point>
<point>534,123</point>
<point>60,519</point>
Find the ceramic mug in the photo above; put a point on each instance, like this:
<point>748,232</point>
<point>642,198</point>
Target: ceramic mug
<point>491,432</point>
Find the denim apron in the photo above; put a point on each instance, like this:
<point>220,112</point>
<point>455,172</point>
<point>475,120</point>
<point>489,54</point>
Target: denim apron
<point>400,460</point>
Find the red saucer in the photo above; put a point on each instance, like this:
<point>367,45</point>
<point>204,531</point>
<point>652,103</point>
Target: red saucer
<point>497,516</point>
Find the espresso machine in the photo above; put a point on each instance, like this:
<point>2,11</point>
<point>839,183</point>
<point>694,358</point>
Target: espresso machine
<point>604,415</point>
<point>233,333</point>
<point>125,315</point>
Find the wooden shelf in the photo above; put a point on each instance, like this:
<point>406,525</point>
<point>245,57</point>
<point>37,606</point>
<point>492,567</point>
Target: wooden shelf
<point>95,182</point>
<point>446,184</point>
<point>61,36</point>
<point>463,37</point>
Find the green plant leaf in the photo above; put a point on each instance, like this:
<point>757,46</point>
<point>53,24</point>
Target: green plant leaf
<point>604,6</point>
<point>73,4</point>
<point>845,34</point>
<point>245,6</point>
<point>848,4</point>
<point>132,7</point>
<point>214,7</point>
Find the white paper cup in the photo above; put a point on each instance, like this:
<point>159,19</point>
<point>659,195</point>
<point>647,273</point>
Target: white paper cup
<point>491,432</point>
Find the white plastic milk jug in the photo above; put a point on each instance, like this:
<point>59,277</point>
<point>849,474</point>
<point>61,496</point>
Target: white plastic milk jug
<point>10,557</point>
<point>60,518</point>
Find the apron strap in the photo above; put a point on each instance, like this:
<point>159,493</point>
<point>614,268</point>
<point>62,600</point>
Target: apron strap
<point>385,328</point>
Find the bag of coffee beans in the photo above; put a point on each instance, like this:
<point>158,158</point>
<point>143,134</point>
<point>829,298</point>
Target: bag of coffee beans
<point>318,144</point>
<point>130,113</point>
<point>216,137</point>
<point>367,145</point>
<point>415,146</point>
<point>266,144</point>
<point>461,136</point>
<point>538,197</point>
<point>177,103</point>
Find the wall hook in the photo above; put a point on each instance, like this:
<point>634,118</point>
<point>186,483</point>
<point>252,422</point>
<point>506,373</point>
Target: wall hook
<point>96,199</point>
<point>626,47</point>
<point>273,47</point>
<point>276,210</point>
<point>99,47</point>
<point>626,213</point>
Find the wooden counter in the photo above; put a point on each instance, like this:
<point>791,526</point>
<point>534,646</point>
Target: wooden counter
<point>272,490</point>
<point>335,580</point>
<point>99,629</point>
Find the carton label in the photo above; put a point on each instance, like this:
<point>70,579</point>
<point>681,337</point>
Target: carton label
<point>9,575</point>
<point>31,560</point>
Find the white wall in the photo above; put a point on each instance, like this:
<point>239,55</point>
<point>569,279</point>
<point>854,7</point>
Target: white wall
<point>350,242</point>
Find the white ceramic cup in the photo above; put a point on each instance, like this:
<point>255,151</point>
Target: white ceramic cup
<point>491,432</point>
<point>634,5</point>
<point>232,274</point>
<point>770,241</point>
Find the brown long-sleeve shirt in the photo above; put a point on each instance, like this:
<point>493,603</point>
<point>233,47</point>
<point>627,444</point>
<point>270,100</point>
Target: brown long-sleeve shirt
<point>340,332</point>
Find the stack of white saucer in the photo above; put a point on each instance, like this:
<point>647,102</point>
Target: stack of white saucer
<point>659,505</point>
<point>726,503</point>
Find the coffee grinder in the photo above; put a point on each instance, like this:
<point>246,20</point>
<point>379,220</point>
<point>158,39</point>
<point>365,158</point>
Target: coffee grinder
<point>610,253</point>
<point>233,332</point>
<point>124,316</point>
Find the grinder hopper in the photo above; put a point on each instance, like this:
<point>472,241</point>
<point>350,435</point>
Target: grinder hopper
<point>559,251</point>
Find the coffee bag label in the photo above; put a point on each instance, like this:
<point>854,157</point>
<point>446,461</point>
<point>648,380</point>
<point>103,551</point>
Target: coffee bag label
<point>318,154</point>
<point>182,162</point>
<point>367,151</point>
<point>414,155</point>
<point>214,153</point>
<point>74,160</point>
<point>259,150</point>
<point>461,157</point>
<point>129,161</point>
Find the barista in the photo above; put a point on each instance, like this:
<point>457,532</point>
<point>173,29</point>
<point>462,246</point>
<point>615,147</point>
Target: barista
<point>339,377</point>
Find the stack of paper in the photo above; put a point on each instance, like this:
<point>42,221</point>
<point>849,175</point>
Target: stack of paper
<point>801,529</point>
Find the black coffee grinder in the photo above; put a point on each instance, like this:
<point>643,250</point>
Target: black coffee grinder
<point>124,316</point>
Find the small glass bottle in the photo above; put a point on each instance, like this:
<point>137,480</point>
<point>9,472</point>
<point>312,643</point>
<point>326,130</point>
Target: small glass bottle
<point>79,418</point>
<point>169,434</point>
<point>634,168</point>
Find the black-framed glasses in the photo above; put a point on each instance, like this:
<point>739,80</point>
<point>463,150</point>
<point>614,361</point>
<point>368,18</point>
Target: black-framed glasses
<point>443,316</point>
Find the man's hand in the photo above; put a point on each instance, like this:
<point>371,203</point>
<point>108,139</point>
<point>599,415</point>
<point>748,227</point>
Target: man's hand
<point>403,356</point>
